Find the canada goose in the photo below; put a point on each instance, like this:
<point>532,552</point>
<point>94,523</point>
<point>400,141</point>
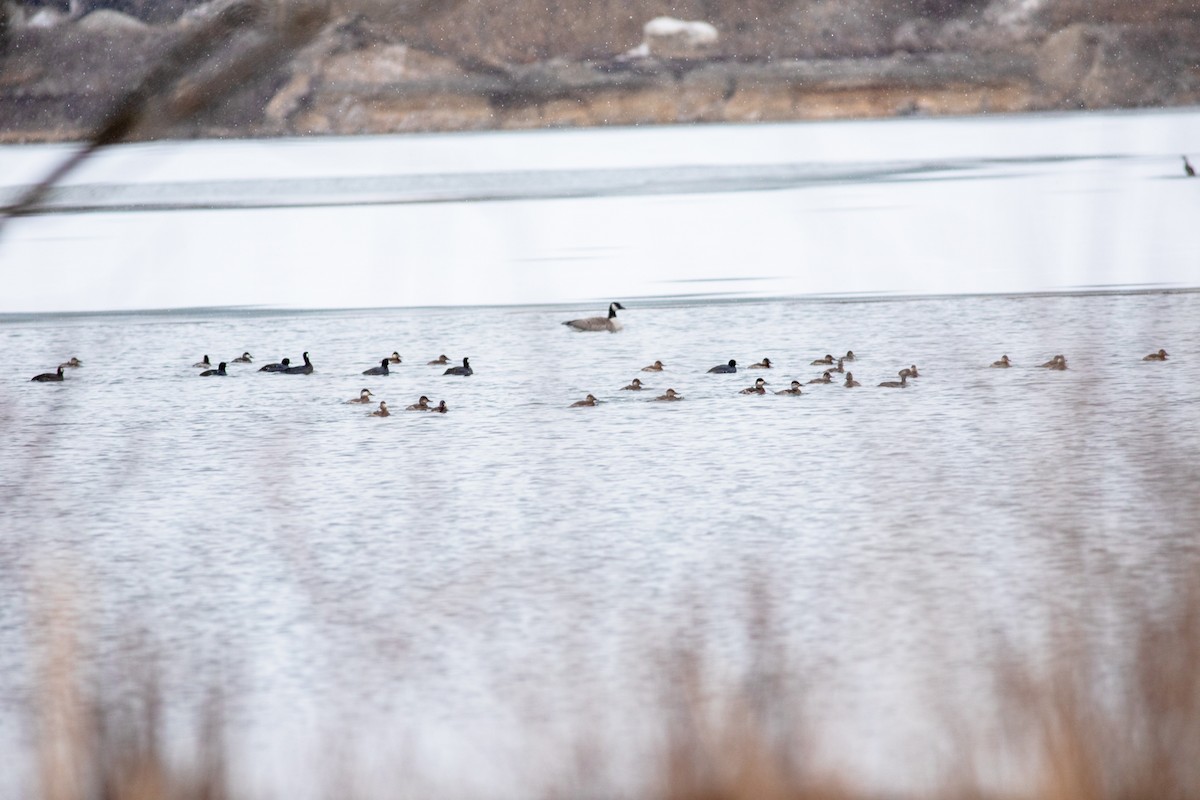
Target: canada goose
<point>220,370</point>
<point>725,369</point>
<point>305,370</point>
<point>849,355</point>
<point>757,388</point>
<point>1188,169</point>
<point>635,385</point>
<point>203,363</point>
<point>465,369</point>
<point>363,397</point>
<point>1054,362</point>
<point>826,377</point>
<point>828,359</point>
<point>794,389</point>
<point>394,357</point>
<point>280,367</point>
<point>850,382</point>
<point>764,364</point>
<point>900,384</point>
<point>657,366</point>
<point>420,405</point>
<point>72,362</point>
<point>382,369</point>
<point>669,396</point>
<point>1003,363</point>
<point>382,410</point>
<point>441,407</point>
<point>244,358</point>
<point>608,323</point>
<point>438,361</point>
<point>590,400</point>
<point>47,377</point>
<point>1161,355</point>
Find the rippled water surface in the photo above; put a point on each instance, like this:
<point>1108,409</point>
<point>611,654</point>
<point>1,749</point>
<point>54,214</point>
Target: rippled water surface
<point>488,586</point>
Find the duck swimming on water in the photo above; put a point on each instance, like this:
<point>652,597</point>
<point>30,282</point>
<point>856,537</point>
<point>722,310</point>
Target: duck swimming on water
<point>394,358</point>
<point>634,386</point>
<point>382,369</point>
<point>1003,363</point>
<point>850,382</point>
<point>1054,362</point>
<point>764,364</point>
<point>590,400</point>
<point>72,362</point>
<point>363,397</point>
<point>793,389</point>
<point>759,387</point>
<point>48,377</point>
<point>421,405</point>
<point>828,359</point>
<point>244,358</point>
<point>382,411</point>
<point>441,407</point>
<point>657,366</point>
<point>608,323</point>
<point>669,396</point>
<point>826,377</point>
<point>465,369</point>
<point>1161,355</point>
<point>725,369</point>
<point>280,367</point>
<point>900,384</point>
<point>203,363</point>
<point>438,361</point>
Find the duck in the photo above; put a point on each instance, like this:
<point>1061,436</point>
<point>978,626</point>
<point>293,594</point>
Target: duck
<point>440,360</point>
<point>1003,363</point>
<point>1053,363</point>
<point>850,382</point>
<point>590,400</point>
<point>828,359</point>
<point>203,363</point>
<point>465,369</point>
<point>759,387</point>
<point>220,370</point>
<point>839,368</point>
<point>280,367</point>
<point>900,384</point>
<point>826,377</point>
<point>793,389</point>
<point>1161,355</point>
<point>608,323</point>
<point>244,358</point>
<point>72,362</point>
<point>725,369</point>
<point>363,397</point>
<point>394,358</point>
<point>382,411</point>
<point>912,372</point>
<point>849,355</point>
<point>47,377</point>
<point>441,407</point>
<point>305,370</point>
<point>634,386</point>
<point>669,396</point>
<point>421,405</point>
<point>382,369</point>
<point>764,364</point>
<point>657,366</point>
<point>1188,169</point>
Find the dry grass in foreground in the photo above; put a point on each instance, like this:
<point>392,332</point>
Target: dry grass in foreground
<point>1088,728</point>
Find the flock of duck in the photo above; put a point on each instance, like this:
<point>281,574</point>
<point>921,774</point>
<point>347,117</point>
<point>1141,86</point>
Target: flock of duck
<point>607,323</point>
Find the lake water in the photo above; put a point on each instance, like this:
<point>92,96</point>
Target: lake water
<point>487,587</point>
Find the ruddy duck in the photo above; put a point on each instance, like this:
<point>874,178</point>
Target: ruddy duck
<point>465,369</point>
<point>394,358</point>
<point>850,382</point>
<point>363,397</point>
<point>244,358</point>
<point>828,359</point>
<point>438,361</point>
<point>657,366</point>
<point>849,355</point>
<point>795,389</point>
<point>724,369</point>
<point>382,411</point>
<point>1054,362</point>
<point>635,385</point>
<point>670,395</point>
<point>590,400</point>
<point>608,323</point>
<point>826,377</point>
<point>764,364</point>
<point>900,384</point>
<point>1161,355</point>
<point>441,407</point>
<point>420,405</point>
<point>759,387</point>
<point>72,362</point>
<point>1003,363</point>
